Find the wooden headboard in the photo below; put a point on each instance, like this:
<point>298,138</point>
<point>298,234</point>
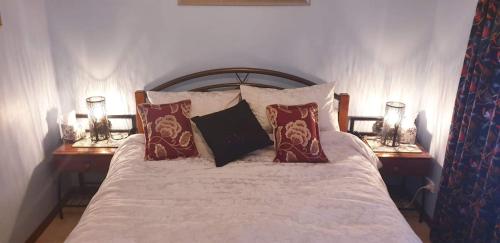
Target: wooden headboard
<point>241,75</point>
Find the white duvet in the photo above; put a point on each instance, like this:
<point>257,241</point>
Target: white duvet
<point>253,200</point>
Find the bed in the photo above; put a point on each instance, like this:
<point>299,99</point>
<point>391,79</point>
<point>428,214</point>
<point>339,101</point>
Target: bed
<point>249,200</point>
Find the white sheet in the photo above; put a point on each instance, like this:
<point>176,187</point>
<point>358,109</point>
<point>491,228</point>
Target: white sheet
<point>189,200</point>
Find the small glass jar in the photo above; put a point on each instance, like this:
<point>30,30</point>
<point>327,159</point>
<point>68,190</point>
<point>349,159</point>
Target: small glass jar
<point>394,112</point>
<point>408,131</point>
<point>99,125</point>
<point>71,130</point>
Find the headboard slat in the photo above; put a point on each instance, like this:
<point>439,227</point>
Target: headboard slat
<point>140,98</point>
<point>343,111</point>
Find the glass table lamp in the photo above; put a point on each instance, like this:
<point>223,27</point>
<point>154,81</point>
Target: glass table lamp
<point>394,112</point>
<point>99,125</point>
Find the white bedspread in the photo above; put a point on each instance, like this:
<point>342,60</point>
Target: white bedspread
<point>189,200</point>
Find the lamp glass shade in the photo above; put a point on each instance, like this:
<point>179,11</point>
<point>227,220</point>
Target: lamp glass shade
<point>99,126</point>
<point>394,112</point>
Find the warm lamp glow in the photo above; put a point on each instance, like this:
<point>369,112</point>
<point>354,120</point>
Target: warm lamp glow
<point>99,113</point>
<point>392,118</point>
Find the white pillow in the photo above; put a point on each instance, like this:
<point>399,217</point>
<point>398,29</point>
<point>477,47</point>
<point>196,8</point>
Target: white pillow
<point>202,103</point>
<point>323,95</point>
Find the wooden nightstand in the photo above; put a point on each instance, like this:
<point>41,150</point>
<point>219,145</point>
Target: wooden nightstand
<point>406,164</point>
<point>400,164</point>
<point>68,159</point>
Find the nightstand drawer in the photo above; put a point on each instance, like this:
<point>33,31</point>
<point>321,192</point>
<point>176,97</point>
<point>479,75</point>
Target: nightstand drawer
<point>405,166</point>
<point>99,163</point>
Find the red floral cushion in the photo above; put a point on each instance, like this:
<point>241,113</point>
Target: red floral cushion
<point>296,133</point>
<point>168,130</point>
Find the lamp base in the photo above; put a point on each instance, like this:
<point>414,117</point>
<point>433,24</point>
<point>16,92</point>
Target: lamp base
<point>100,131</point>
<point>391,137</point>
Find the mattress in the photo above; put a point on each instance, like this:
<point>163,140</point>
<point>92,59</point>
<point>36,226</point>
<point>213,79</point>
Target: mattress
<point>250,200</point>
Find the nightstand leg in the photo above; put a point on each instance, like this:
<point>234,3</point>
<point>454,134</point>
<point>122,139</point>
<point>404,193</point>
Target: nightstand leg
<point>422,208</point>
<point>59,196</point>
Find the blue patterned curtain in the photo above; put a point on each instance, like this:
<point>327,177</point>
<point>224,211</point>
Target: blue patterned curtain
<point>468,206</point>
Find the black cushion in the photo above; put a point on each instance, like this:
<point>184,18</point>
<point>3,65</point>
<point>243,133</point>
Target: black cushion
<point>232,133</point>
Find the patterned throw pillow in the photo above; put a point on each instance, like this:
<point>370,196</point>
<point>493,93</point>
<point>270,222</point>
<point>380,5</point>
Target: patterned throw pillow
<point>296,133</point>
<point>168,130</point>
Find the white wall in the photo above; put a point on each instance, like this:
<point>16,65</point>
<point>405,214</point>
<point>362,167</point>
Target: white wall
<point>376,50</point>
<point>28,109</point>
<point>442,68</point>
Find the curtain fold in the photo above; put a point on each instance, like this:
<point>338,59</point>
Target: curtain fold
<point>468,205</point>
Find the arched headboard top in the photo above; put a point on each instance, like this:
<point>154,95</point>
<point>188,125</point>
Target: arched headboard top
<point>242,74</point>
<point>237,71</point>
